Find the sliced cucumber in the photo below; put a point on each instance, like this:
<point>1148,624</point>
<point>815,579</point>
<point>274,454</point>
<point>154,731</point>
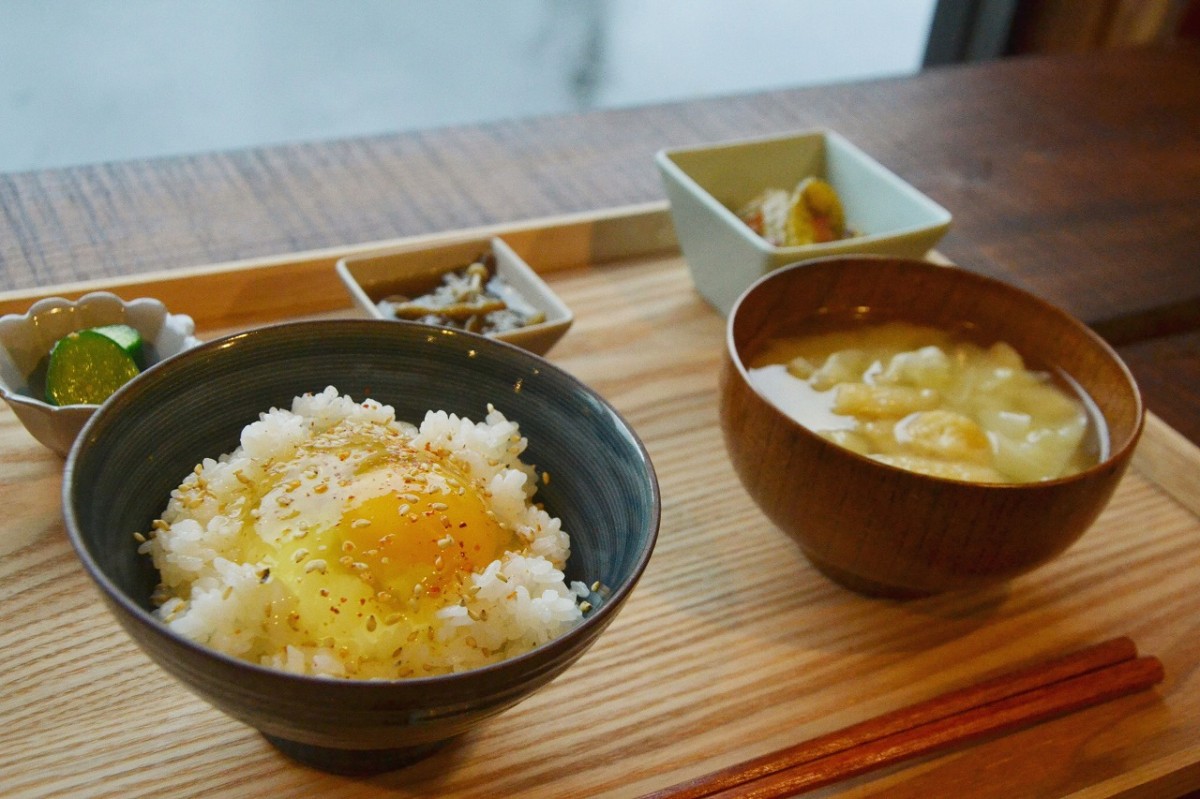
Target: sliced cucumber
<point>127,338</point>
<point>86,367</point>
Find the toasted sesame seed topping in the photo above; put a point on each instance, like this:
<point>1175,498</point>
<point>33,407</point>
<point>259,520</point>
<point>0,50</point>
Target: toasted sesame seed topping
<point>316,565</point>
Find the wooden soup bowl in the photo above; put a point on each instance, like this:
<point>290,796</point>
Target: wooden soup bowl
<point>885,531</point>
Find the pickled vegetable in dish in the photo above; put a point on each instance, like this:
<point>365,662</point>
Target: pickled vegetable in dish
<point>474,298</point>
<point>811,213</point>
<point>85,367</point>
<point>930,401</point>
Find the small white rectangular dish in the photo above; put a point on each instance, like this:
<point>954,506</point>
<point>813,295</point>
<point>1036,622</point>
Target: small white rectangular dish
<point>373,277</point>
<point>707,184</point>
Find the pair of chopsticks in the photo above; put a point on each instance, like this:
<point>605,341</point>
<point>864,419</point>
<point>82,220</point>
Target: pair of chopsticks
<point>1002,704</point>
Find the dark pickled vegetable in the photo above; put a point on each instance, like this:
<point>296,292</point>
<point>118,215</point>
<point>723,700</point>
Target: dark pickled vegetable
<point>473,298</point>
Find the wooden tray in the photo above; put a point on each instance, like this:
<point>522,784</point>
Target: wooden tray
<point>731,646</point>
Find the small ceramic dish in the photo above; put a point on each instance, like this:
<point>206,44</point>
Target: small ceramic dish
<point>26,340</point>
<point>414,271</point>
<point>707,185</point>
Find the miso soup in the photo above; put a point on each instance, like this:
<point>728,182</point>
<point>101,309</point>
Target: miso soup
<point>933,401</point>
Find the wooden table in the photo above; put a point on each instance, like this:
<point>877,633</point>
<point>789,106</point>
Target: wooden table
<point>1077,177</point>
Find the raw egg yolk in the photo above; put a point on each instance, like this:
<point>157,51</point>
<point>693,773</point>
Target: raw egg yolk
<point>421,544</point>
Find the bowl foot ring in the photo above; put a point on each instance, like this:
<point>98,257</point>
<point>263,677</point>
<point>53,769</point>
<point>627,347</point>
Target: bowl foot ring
<point>353,761</point>
<point>863,585</point>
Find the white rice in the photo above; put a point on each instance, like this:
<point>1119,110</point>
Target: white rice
<point>211,592</point>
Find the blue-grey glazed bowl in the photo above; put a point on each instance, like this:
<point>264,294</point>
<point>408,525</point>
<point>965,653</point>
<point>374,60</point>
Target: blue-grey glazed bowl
<point>154,430</point>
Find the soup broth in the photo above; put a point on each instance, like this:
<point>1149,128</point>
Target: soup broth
<point>932,401</point>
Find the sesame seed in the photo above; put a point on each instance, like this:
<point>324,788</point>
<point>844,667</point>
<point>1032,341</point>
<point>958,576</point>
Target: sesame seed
<point>358,524</point>
<point>141,539</point>
<point>439,506</point>
<point>347,546</point>
<point>315,566</point>
<point>299,555</point>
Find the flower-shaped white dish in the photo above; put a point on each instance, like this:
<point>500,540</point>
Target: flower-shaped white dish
<point>26,340</point>
<point>706,184</point>
<point>412,271</point>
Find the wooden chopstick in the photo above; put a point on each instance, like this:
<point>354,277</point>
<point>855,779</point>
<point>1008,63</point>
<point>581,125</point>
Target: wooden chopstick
<point>1017,699</point>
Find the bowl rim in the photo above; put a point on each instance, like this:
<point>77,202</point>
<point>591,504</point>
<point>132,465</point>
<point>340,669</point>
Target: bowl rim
<point>1115,455</point>
<point>599,617</point>
<point>940,217</point>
